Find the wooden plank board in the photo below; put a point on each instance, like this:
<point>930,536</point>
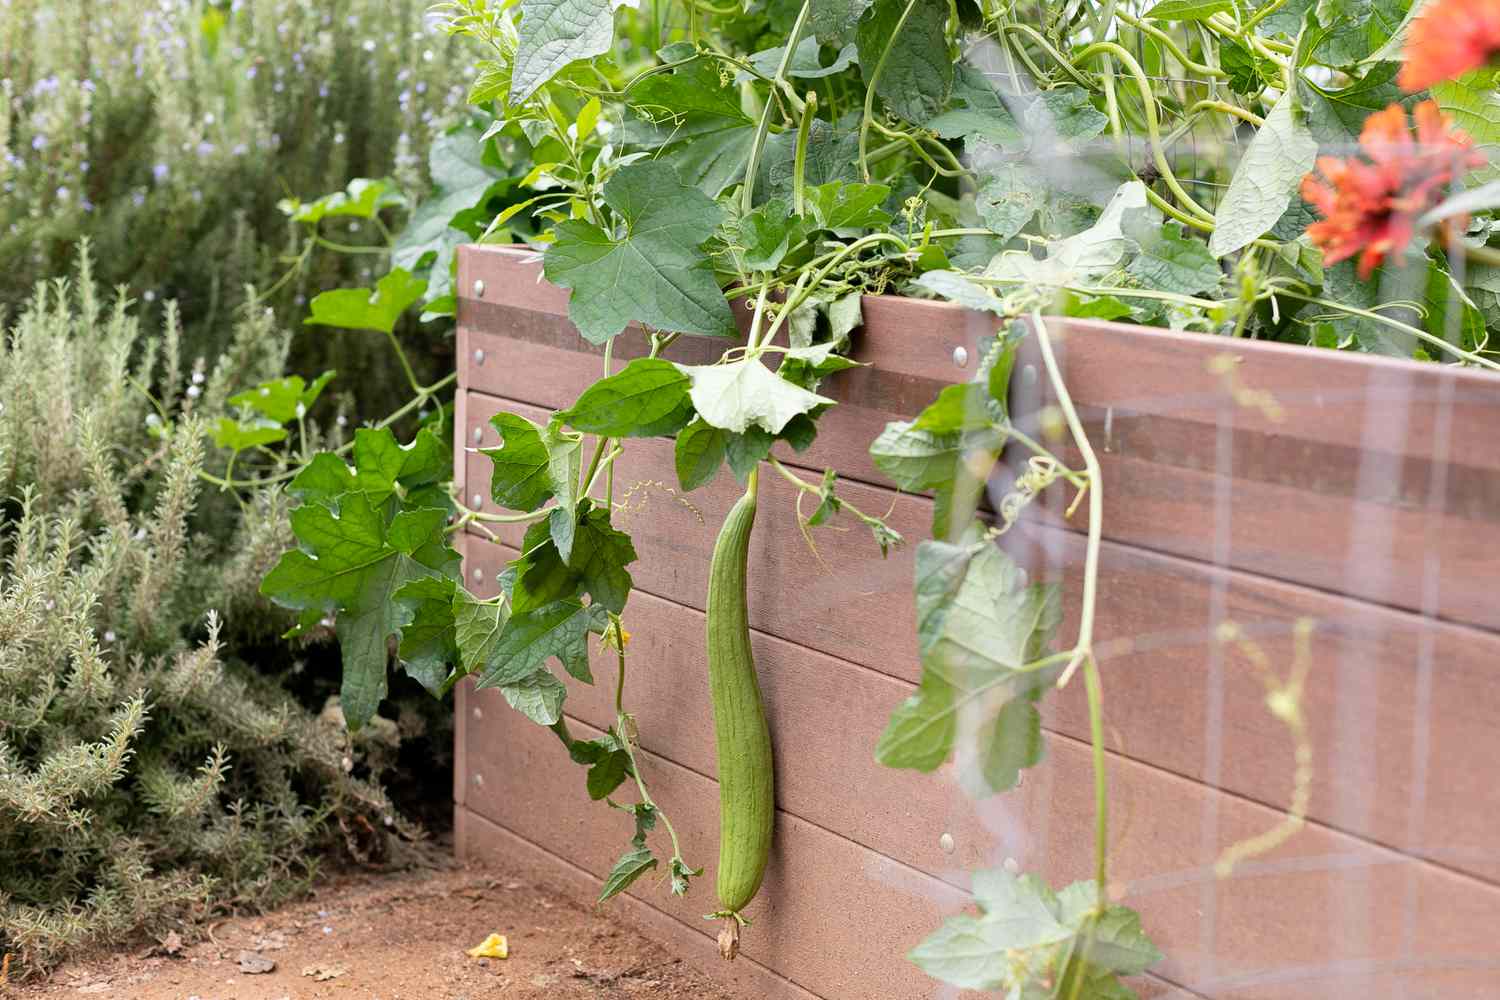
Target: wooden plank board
<point>1325,915</point>
<point>1398,706</point>
<point>1364,469</point>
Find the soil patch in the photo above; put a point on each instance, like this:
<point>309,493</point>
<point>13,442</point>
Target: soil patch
<point>401,937</point>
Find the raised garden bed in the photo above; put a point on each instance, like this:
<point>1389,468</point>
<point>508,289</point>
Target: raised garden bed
<point>1250,483</point>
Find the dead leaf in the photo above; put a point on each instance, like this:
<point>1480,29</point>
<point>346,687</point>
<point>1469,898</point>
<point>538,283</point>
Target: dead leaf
<point>255,964</point>
<point>494,946</point>
<point>323,973</point>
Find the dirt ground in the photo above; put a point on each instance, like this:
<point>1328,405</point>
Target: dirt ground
<point>401,937</point>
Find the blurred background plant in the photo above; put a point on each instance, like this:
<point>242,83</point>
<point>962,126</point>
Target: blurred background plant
<point>155,761</point>
<point>167,131</point>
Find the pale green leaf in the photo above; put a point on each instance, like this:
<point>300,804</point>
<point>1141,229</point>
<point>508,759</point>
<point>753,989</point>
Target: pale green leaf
<point>364,309</point>
<point>1267,177</point>
<point>740,394</point>
<point>555,33</point>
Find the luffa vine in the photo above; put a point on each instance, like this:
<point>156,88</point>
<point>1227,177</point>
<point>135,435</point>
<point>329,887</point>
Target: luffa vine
<point>673,159</point>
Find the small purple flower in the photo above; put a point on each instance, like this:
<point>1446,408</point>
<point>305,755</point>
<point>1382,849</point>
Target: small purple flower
<point>39,142</point>
<point>161,172</point>
<point>205,148</point>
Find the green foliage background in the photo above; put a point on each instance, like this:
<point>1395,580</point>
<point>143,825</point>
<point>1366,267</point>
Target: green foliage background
<point>167,132</point>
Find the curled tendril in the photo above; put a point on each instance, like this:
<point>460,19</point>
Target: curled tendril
<point>1041,471</point>
<point>1284,701</point>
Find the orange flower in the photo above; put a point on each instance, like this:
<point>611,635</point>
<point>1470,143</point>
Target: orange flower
<point>1448,39</point>
<point>1370,206</point>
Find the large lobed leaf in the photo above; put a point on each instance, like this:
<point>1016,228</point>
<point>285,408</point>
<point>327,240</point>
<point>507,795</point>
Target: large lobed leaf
<point>653,272</point>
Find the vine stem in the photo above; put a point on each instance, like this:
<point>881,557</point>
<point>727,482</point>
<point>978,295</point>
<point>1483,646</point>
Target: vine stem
<point>1395,324</point>
<point>752,165</point>
<point>1083,648</point>
<point>423,395</point>
<point>869,114</point>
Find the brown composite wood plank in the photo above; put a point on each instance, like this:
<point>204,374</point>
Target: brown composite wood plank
<point>1323,916</point>
<point>1398,707</point>
<point>1367,476</point>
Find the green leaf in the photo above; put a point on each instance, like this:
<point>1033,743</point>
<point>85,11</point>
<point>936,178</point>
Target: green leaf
<point>1265,180</point>
<point>834,21</point>
<point>363,309</point>
<point>1248,73</point>
<point>381,464</point>
<point>977,623</point>
<point>353,563</point>
<point>1187,10</point>
<point>555,33</point>
<point>530,639</point>
<point>1118,943</point>
<point>1336,117</point>
<point>322,479</point>
<point>427,641</point>
<point>1168,261</point>
<point>477,627</point>
<point>917,74</point>
<point>694,116</point>
<point>956,287</point>
<point>283,399</point>
<point>978,953</point>
<point>740,394</point>
<point>842,206</point>
<point>1066,112</point>
<point>609,771</point>
<point>1473,102</point>
<point>916,460</point>
<point>976,111</point>
<point>921,730</point>
<point>767,233</point>
<point>655,274</point>
<point>538,696</point>
<point>805,62</point>
<point>600,553</point>
<point>960,408</point>
<point>522,465</point>
<point>1008,198</point>
<point>363,198</point>
<point>635,862</point>
<point>1004,746</point>
<point>832,155</point>
<point>564,463</point>
<point>745,451</point>
<point>237,435</point>
<point>699,453</point>
<point>541,575</point>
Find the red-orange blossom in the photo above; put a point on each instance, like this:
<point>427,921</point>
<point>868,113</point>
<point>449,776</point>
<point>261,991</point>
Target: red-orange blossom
<point>1370,204</point>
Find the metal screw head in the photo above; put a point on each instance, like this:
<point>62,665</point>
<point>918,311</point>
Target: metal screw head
<point>478,434</point>
<point>1028,375</point>
<point>478,499</point>
<point>478,713</point>
<point>478,779</point>
<point>478,288</point>
<point>946,843</point>
<point>961,356</point>
<point>478,576</point>
<point>479,355</point>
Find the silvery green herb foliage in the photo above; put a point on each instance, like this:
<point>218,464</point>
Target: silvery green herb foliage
<point>681,159</point>
<point>149,774</point>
